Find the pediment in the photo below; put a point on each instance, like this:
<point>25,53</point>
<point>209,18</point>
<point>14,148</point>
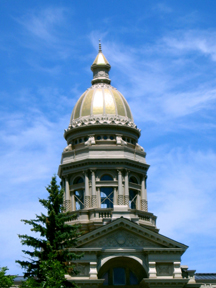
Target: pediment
<point>120,238</point>
<point>123,233</point>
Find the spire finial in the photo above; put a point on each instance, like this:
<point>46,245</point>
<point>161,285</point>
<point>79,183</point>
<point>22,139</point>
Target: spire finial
<point>100,50</point>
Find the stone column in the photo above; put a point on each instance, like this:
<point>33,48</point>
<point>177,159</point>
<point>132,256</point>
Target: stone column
<point>73,201</point>
<point>177,273</point>
<point>87,195</point>
<point>144,203</point>
<point>94,197</point>
<point>152,270</point>
<point>67,195</point>
<point>120,192</point>
<point>126,196</point>
<point>93,270</point>
<point>98,197</point>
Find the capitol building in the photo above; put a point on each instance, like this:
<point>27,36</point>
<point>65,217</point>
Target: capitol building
<point>103,171</point>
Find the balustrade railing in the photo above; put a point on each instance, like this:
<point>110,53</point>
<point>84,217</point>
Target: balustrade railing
<point>106,213</point>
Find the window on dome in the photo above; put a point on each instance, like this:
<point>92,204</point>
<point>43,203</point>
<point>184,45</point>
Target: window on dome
<point>78,180</point>
<point>106,177</point>
<point>132,199</point>
<point>79,199</point>
<point>133,180</point>
<point>106,194</point>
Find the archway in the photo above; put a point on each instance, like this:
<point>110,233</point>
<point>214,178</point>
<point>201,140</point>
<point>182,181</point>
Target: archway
<point>122,271</point>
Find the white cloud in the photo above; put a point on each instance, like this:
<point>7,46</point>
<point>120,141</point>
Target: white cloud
<point>11,228</point>
<point>43,24</point>
<point>202,41</point>
<point>181,190</point>
<point>152,80</point>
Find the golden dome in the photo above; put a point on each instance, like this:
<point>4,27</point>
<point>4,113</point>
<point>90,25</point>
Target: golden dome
<point>101,100</point>
<point>101,103</point>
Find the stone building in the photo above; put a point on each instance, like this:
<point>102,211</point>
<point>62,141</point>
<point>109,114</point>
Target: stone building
<point>104,172</point>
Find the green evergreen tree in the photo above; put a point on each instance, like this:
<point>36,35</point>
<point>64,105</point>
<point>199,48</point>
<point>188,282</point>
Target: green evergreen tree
<point>51,249</point>
<point>6,281</point>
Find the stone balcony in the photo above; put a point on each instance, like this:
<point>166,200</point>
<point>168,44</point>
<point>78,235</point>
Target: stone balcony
<point>90,219</point>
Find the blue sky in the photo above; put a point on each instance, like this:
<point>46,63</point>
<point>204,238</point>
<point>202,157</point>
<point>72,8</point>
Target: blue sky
<point>163,58</point>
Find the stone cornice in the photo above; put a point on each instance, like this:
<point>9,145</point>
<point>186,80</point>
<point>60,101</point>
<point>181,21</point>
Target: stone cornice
<point>132,227</point>
<point>163,250</point>
<point>80,165</point>
<point>165,282</point>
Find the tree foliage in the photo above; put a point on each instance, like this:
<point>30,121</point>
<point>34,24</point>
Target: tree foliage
<point>50,258</point>
<point>6,281</point>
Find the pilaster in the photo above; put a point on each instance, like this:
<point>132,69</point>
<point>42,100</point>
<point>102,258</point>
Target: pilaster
<point>144,202</point>
<point>120,192</point>
<point>87,195</point>
<point>126,196</point>
<point>94,196</point>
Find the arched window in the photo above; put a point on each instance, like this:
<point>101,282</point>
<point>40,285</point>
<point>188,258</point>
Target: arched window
<point>122,271</point>
<point>79,193</point>
<point>78,180</point>
<point>79,199</point>
<point>132,199</point>
<point>133,180</point>
<point>106,177</point>
<point>106,194</point>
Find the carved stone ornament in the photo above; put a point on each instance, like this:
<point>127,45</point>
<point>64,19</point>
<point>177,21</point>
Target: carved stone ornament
<point>121,239</point>
<point>83,269</point>
<point>68,148</point>
<point>112,120</point>
<point>120,141</point>
<point>90,141</point>
<point>164,269</point>
<point>140,148</point>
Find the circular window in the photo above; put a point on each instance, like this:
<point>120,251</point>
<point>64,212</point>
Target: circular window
<point>111,138</point>
<point>98,137</point>
<point>105,137</point>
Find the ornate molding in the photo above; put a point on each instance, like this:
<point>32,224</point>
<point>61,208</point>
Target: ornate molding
<point>111,120</point>
<point>122,239</point>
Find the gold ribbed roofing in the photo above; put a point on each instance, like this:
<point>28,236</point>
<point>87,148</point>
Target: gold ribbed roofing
<point>101,100</point>
<point>100,59</point>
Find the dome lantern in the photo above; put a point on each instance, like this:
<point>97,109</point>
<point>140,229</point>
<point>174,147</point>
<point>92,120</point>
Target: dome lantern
<point>100,68</point>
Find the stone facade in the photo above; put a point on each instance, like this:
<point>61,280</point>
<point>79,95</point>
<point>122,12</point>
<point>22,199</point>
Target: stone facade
<point>104,173</point>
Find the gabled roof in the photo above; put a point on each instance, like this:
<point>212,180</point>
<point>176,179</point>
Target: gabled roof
<point>158,241</point>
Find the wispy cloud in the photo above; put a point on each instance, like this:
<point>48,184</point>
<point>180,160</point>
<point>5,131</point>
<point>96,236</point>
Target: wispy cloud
<point>42,31</point>
<point>43,24</point>
<point>202,41</point>
<point>152,79</point>
<point>182,194</point>
<point>180,189</point>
